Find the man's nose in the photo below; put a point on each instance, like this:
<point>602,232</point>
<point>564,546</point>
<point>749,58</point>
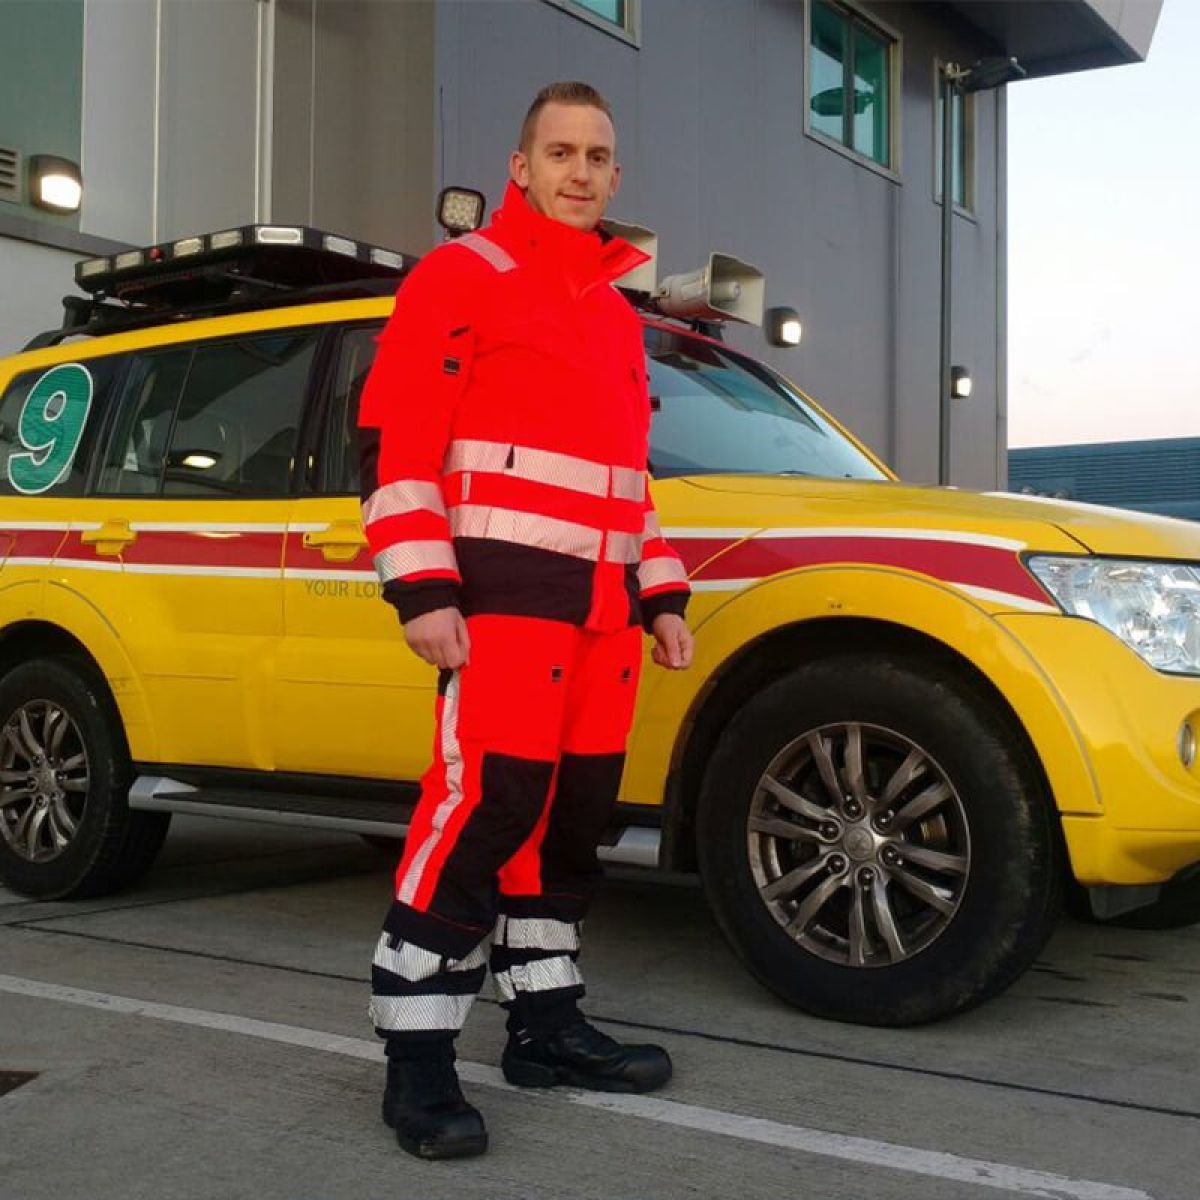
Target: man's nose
<point>579,168</point>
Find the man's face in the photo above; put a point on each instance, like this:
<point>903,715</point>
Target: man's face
<point>569,171</point>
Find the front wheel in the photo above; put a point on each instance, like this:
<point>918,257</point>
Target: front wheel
<point>66,829</point>
<point>875,843</point>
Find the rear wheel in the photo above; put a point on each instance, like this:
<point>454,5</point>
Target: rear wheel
<point>875,842</point>
<point>66,829</point>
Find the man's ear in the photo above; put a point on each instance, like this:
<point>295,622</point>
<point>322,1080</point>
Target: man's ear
<point>615,184</point>
<point>518,169</point>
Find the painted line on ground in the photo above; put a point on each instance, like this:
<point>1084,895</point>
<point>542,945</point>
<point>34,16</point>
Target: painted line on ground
<point>863,1151</point>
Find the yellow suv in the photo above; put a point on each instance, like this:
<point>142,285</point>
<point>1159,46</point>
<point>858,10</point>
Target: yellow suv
<point>914,715</point>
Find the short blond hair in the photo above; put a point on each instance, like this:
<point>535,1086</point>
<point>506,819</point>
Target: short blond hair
<point>568,92</point>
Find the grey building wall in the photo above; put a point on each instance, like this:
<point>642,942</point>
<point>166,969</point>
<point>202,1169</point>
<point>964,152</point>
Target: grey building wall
<point>710,117</point>
<point>353,119</point>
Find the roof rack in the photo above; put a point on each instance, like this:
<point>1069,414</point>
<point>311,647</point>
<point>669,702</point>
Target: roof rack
<point>234,270</point>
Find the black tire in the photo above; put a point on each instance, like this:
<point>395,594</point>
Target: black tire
<point>991,838</point>
<point>391,846</point>
<point>104,846</point>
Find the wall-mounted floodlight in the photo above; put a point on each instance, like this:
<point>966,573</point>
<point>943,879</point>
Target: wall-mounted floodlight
<point>460,210</point>
<point>960,383</point>
<point>783,327</point>
<point>55,183</point>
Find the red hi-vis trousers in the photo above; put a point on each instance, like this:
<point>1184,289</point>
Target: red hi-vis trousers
<point>528,753</point>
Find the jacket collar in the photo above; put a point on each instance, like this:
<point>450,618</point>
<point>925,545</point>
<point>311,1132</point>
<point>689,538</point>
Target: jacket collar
<point>584,257</point>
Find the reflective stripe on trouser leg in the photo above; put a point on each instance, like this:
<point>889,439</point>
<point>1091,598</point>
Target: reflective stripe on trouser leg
<point>415,991</point>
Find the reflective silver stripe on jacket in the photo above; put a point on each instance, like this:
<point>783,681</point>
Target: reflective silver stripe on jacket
<point>525,529</point>
<point>656,572</point>
<point>403,496</point>
<point>409,558</point>
<point>545,466</point>
<point>497,256</point>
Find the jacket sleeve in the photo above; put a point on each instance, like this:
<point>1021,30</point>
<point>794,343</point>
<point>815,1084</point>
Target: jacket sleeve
<point>404,424</point>
<point>662,579</point>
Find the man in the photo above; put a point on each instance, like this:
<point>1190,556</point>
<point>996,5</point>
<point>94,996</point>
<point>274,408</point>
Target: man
<point>504,430</point>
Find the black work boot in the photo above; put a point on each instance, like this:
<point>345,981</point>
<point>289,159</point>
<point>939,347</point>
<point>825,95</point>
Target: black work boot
<point>581,1056</point>
<point>425,1106</point>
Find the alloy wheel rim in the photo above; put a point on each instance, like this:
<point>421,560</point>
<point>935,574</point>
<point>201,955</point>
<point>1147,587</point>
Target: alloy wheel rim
<point>859,844</point>
<point>44,780</point>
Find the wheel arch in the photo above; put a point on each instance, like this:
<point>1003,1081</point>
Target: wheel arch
<point>848,612</point>
<point>89,640</point>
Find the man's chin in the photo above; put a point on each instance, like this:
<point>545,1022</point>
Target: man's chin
<point>578,220</point>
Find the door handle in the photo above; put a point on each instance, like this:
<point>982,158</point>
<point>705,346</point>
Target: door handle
<point>340,542</point>
<point>110,539</point>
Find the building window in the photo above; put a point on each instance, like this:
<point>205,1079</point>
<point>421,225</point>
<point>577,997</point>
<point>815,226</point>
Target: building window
<point>962,116</point>
<point>618,17</point>
<point>608,10</point>
<point>850,81</point>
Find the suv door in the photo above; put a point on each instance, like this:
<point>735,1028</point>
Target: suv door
<point>352,699</point>
<point>191,507</point>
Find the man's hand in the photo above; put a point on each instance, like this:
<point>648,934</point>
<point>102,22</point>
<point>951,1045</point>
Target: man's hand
<point>672,642</point>
<point>440,637</point>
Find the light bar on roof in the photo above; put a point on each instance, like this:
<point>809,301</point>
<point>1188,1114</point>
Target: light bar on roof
<point>340,245</point>
<point>187,246</point>
<point>387,258</point>
<point>279,235</point>
<point>94,266</point>
<point>129,259</point>
<point>225,240</point>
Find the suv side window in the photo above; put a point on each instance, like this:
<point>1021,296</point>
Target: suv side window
<point>49,422</point>
<point>216,418</point>
<point>356,353</point>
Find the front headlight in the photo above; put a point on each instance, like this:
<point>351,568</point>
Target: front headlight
<point>1153,607</point>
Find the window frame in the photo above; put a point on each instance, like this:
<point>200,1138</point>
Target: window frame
<point>630,32</point>
<point>854,13</point>
<point>318,487</point>
<point>117,410</point>
<point>970,149</point>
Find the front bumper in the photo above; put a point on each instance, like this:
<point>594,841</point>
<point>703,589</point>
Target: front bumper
<point>1128,719</point>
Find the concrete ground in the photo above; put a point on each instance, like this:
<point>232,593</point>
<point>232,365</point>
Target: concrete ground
<point>205,1036</point>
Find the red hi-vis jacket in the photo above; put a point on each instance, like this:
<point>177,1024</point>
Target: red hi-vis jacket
<point>505,428</point>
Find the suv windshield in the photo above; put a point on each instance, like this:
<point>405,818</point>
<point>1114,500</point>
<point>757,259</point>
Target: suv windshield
<point>717,412</point>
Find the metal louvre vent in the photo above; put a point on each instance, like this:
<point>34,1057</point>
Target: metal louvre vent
<point>10,175</point>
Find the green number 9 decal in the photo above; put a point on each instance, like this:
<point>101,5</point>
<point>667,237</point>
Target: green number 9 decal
<point>50,426</point>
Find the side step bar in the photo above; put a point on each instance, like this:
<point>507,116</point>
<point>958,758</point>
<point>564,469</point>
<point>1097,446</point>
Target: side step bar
<point>631,845</point>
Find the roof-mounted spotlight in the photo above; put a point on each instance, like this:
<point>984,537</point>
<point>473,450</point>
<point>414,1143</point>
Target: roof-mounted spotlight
<point>783,326</point>
<point>960,383</point>
<point>460,210</point>
<point>55,183</point>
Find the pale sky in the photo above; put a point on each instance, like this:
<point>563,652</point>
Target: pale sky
<point>1104,247</point>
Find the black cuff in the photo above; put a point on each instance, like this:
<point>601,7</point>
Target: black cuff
<point>415,599</point>
<point>664,602</point>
